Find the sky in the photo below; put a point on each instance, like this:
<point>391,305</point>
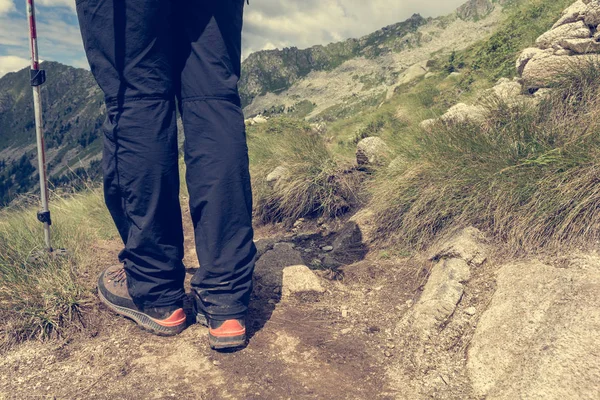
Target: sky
<point>268,24</point>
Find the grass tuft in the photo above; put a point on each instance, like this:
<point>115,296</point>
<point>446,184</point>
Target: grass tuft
<point>42,296</point>
<point>528,175</point>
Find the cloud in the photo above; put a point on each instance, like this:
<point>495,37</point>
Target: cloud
<point>6,6</point>
<point>268,24</point>
<point>56,3</point>
<point>11,64</point>
<point>282,23</point>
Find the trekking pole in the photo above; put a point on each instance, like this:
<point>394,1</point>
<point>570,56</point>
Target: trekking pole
<point>38,77</point>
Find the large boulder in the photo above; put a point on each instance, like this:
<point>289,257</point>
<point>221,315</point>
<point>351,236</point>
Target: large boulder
<point>545,67</point>
<point>462,113</point>
<point>507,90</point>
<point>575,12</point>
<point>575,30</point>
<point>592,13</point>
<point>525,56</point>
<point>372,151</point>
<point>581,46</point>
<point>538,339</point>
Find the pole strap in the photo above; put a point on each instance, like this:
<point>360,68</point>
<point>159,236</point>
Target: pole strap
<point>37,77</point>
<point>44,217</point>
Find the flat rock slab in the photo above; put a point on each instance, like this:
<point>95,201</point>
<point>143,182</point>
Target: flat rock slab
<point>538,338</point>
<point>442,293</point>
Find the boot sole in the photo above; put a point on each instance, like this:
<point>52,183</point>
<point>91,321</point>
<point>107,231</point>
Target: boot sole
<point>221,343</point>
<point>144,321</point>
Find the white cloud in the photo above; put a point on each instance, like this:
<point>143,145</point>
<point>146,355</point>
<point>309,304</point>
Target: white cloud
<point>11,64</point>
<point>56,3</point>
<point>6,6</point>
<point>283,23</point>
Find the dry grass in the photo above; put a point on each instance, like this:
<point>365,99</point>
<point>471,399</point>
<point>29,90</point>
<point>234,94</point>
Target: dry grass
<point>529,175</point>
<point>315,183</point>
<point>41,296</point>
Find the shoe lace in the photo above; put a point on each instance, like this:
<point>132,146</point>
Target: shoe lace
<point>118,277</point>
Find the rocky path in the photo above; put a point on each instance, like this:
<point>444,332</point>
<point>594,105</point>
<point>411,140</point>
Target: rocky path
<point>452,324</point>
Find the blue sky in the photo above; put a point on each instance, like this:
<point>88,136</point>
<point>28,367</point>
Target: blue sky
<point>268,24</point>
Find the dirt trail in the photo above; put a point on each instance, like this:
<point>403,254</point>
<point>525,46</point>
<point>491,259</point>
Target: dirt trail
<point>300,348</point>
<point>369,336</point>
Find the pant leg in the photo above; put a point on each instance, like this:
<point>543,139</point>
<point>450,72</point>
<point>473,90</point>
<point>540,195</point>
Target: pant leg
<point>128,45</point>
<point>216,154</point>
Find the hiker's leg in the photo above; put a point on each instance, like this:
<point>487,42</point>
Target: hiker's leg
<point>128,45</point>
<point>216,155</point>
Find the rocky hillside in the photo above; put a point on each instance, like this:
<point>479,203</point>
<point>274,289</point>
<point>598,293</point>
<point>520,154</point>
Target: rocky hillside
<point>369,69</point>
<point>323,82</point>
<point>73,117</point>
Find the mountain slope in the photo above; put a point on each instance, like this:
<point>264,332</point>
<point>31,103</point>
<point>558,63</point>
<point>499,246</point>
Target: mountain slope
<point>73,116</point>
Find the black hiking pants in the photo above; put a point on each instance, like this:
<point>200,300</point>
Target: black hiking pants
<point>148,55</point>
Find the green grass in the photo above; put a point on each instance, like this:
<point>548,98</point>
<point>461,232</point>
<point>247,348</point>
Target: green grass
<point>44,297</point>
<point>316,182</point>
<point>528,176</point>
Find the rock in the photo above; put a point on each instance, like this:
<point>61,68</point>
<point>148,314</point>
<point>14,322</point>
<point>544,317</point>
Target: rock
<point>428,124</point>
<point>538,339</point>
<point>319,128</point>
<point>442,292</point>
<point>278,174</point>
<point>259,119</point>
<point>372,151</point>
<point>580,46</point>
<point>575,12</point>
<point>269,267</point>
<point>507,90</point>
<point>471,311</point>
<point>544,68</point>
<point>300,279</point>
<point>365,219</point>
<point>413,72</point>
<point>469,245</point>
<point>575,30</point>
<point>327,248</point>
<point>524,58</point>
<point>462,113</point>
<point>592,14</point>
<point>348,238</point>
<point>264,245</point>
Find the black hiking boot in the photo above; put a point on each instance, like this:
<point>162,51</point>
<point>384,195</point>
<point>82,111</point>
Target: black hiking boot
<point>163,321</point>
<point>227,334</point>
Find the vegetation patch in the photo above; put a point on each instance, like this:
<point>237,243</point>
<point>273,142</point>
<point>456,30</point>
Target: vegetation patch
<point>528,175</point>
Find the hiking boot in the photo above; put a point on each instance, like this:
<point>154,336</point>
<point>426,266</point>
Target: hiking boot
<point>223,335</point>
<point>112,290</point>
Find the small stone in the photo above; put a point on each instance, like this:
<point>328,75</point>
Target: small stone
<point>346,331</point>
<point>390,345</point>
<point>308,250</point>
<point>216,362</point>
<point>409,303</point>
<point>387,353</point>
<point>327,248</point>
<point>300,279</point>
<point>471,311</point>
<point>344,313</point>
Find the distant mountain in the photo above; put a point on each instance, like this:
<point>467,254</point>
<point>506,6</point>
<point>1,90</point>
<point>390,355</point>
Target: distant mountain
<point>73,115</point>
<point>276,70</point>
<point>319,83</point>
